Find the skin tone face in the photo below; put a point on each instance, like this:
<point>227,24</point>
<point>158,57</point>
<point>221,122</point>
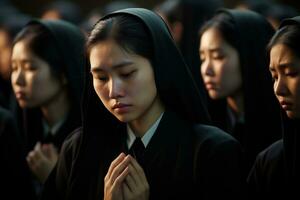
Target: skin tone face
<point>220,65</point>
<point>285,70</point>
<point>125,84</point>
<point>32,81</point>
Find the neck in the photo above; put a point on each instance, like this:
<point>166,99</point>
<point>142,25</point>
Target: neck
<point>236,103</point>
<point>57,108</point>
<point>142,124</point>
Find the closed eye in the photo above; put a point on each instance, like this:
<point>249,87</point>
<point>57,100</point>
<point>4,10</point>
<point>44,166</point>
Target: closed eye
<point>128,75</point>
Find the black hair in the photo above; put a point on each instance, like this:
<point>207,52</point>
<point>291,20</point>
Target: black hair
<point>289,36</point>
<point>41,42</point>
<point>127,32</point>
<point>225,24</point>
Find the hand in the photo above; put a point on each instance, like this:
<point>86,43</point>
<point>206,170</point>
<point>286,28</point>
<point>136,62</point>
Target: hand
<point>115,177</point>
<point>42,160</point>
<point>136,186</point>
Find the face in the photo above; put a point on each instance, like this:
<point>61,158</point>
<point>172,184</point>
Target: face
<point>124,83</point>
<point>285,70</point>
<point>32,82</point>
<point>220,68</point>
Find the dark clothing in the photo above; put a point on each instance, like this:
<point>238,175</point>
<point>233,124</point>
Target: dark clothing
<point>34,131</point>
<point>202,162</point>
<point>15,182</point>
<point>68,47</point>
<point>260,124</point>
<point>266,180</point>
<point>181,159</point>
<point>276,172</point>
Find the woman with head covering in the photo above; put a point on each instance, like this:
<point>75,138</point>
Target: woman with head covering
<point>277,169</point>
<point>139,89</point>
<point>232,50</point>
<point>47,79</point>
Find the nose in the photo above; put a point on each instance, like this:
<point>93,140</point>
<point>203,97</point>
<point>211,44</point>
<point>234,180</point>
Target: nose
<point>18,77</point>
<point>116,88</point>
<point>207,68</point>
<point>280,88</point>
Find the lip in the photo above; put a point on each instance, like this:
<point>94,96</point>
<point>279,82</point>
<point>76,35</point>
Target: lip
<point>286,105</point>
<point>121,108</point>
<point>20,95</point>
<point>210,86</point>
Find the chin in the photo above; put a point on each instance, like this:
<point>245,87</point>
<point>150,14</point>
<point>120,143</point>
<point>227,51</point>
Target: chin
<point>214,95</point>
<point>292,115</point>
<point>124,118</point>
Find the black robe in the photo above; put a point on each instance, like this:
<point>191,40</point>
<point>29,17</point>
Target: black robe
<point>260,126</point>
<point>276,172</point>
<point>69,43</point>
<point>181,162</point>
<point>183,158</point>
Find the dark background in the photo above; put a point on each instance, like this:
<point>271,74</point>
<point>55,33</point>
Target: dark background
<point>34,7</point>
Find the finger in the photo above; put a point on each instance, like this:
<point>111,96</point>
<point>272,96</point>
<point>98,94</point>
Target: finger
<point>50,151</point>
<point>139,174</point>
<point>114,163</point>
<point>120,179</point>
<point>119,169</point>
<point>37,146</point>
<point>126,191</point>
<point>129,180</point>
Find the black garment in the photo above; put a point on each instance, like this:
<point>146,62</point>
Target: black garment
<point>276,172</point>
<point>182,159</point>
<point>261,126</point>
<point>69,45</point>
<point>180,162</point>
<point>137,150</point>
<point>15,182</point>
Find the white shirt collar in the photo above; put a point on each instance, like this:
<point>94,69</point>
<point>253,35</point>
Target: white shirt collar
<point>54,129</point>
<point>146,138</point>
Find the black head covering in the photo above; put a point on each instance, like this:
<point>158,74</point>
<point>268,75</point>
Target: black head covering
<point>175,86</point>
<point>291,131</point>
<point>252,33</point>
<point>69,43</point>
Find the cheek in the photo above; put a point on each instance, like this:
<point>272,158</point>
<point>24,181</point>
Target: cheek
<point>101,91</point>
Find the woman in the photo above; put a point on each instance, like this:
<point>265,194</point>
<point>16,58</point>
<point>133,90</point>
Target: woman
<point>232,50</point>
<point>137,86</point>
<point>276,170</point>
<point>47,78</point>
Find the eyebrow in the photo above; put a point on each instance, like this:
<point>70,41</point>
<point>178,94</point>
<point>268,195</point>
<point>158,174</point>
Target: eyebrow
<point>212,50</point>
<point>285,65</point>
<point>23,60</point>
<point>115,66</point>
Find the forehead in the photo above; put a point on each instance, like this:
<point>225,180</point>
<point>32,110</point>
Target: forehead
<point>20,50</point>
<point>107,53</point>
<point>281,53</point>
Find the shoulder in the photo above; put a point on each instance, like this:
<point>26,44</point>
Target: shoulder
<point>71,143</point>
<point>270,157</point>
<point>213,135</point>
<point>215,144</point>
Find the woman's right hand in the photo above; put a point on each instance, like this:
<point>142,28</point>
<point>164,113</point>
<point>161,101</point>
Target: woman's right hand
<point>114,179</point>
<point>125,180</point>
<point>136,186</point>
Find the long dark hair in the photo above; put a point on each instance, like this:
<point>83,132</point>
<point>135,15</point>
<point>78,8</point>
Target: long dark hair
<point>126,31</point>
<point>40,42</point>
